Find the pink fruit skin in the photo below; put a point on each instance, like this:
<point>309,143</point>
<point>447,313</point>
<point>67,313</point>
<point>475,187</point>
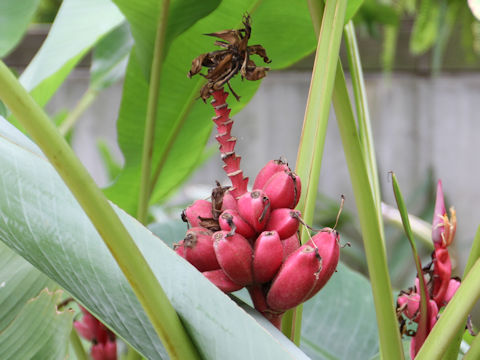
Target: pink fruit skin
<point>267,256</point>
<point>284,221</point>
<point>198,249</point>
<point>328,246</point>
<point>229,202</point>
<point>179,248</point>
<point>282,190</point>
<point>295,280</point>
<point>104,351</point>
<point>241,226</point>
<point>254,207</point>
<point>453,286</point>
<point>260,303</point>
<point>290,245</point>
<point>200,208</point>
<point>411,305</point>
<point>222,281</point>
<point>235,256</point>
<point>272,167</point>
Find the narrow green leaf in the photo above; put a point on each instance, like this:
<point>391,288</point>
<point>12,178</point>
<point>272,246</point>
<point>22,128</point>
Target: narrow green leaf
<point>473,256</point>
<point>14,19</point>
<point>44,223</point>
<point>389,336</point>
<point>309,156</point>
<point>423,321</point>
<point>453,317</point>
<point>39,331</point>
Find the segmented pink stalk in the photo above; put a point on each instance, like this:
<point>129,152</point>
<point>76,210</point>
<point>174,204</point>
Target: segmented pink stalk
<point>227,144</point>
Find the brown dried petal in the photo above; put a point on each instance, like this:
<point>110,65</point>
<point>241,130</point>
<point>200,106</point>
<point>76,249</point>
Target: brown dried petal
<point>260,51</point>
<point>231,36</point>
<point>196,65</point>
<point>256,73</point>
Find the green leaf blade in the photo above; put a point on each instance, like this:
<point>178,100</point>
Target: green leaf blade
<point>14,19</point>
<point>43,223</point>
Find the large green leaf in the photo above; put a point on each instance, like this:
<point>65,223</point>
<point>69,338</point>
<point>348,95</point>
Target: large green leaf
<point>143,17</point>
<point>39,331</point>
<point>110,57</point>
<point>14,18</point>
<point>19,282</point>
<point>78,26</point>
<point>339,322</point>
<point>42,221</point>
<point>183,124</point>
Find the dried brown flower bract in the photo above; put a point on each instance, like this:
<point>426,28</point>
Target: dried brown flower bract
<point>233,58</point>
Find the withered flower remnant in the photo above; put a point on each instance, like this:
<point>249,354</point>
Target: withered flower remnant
<point>224,64</point>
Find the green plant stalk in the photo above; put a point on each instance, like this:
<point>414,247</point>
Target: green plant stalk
<point>474,255</point>
<point>453,317</point>
<point>422,322</point>
<point>389,336</point>
<point>474,352</point>
<point>76,345</point>
<point>129,258</point>
<point>83,104</point>
<point>363,115</point>
<point>314,130</point>
<point>152,107</point>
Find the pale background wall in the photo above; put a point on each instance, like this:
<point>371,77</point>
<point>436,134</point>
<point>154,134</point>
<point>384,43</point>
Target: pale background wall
<point>418,122</point>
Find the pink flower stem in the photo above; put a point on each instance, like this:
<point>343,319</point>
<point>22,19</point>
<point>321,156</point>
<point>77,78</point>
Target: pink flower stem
<point>227,144</point>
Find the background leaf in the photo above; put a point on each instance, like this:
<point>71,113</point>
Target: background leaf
<point>143,18</point>
<point>183,123</point>
<point>42,222</point>
<point>110,57</point>
<point>78,26</point>
<point>339,322</point>
<point>14,19</point>
<point>39,331</point>
<point>425,28</point>
<point>19,282</point>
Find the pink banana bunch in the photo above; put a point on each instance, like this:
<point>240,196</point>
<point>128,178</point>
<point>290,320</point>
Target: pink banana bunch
<point>104,346</point>
<point>250,239</point>
<point>438,277</point>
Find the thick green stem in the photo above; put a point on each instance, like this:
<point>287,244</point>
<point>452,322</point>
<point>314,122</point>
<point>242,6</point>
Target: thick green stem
<point>474,255</point>
<point>152,106</point>
<point>129,258</point>
<point>389,336</point>
<point>87,99</point>
<point>314,130</point>
<point>453,317</point>
<point>474,352</point>
<point>76,345</point>
<point>422,322</point>
<point>363,115</point>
